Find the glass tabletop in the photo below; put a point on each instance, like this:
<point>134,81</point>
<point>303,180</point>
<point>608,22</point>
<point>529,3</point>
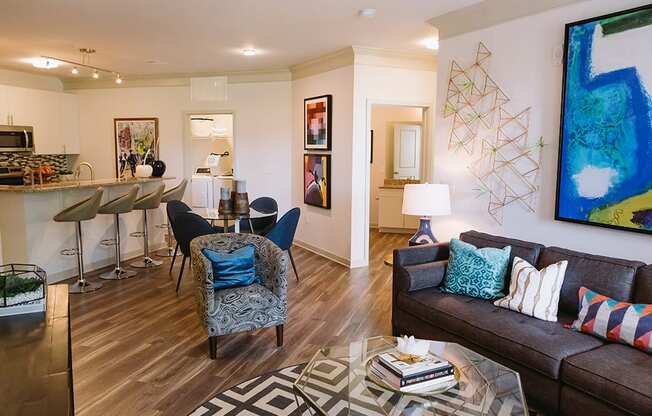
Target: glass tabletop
<point>334,382</point>
<point>213,214</point>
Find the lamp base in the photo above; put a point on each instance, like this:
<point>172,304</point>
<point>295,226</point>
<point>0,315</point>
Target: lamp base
<point>424,234</point>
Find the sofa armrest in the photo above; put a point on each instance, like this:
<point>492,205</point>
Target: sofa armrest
<point>426,253</point>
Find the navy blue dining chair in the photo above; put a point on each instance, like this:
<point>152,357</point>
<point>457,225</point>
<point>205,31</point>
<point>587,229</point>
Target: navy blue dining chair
<point>186,227</point>
<point>283,233</point>
<point>172,209</point>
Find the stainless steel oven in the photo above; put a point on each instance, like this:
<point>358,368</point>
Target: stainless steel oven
<point>16,139</point>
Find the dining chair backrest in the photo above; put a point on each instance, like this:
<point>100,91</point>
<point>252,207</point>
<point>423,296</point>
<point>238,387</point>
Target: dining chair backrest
<point>283,232</point>
<point>187,226</point>
<point>261,226</point>
<point>173,208</point>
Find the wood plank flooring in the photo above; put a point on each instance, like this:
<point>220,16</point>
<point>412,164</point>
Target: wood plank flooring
<point>139,349</point>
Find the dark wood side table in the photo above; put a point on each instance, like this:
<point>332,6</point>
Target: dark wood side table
<point>36,360</point>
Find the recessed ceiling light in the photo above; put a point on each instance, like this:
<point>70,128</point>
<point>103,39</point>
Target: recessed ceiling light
<point>44,63</point>
<point>249,52</point>
<point>367,13</point>
<point>431,43</point>
<point>74,70</point>
<point>118,80</point>
<point>96,75</point>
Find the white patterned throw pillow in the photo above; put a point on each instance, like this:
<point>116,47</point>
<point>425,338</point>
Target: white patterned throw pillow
<point>534,292</point>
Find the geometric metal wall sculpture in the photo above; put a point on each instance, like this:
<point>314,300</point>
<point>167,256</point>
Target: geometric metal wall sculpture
<point>508,166</point>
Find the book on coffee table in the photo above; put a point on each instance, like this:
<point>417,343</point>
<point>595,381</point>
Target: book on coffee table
<point>408,376</point>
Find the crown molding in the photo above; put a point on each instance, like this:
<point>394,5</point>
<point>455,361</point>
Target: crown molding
<point>420,60</point>
<point>175,80</point>
<point>362,55</point>
<point>338,59</point>
<point>490,13</point>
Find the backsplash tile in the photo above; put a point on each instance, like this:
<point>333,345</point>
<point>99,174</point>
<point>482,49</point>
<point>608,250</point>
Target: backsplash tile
<point>58,162</point>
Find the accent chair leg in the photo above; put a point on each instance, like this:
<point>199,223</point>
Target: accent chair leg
<point>174,257</point>
<point>279,336</point>
<point>212,347</point>
<point>294,266</point>
<point>183,263</point>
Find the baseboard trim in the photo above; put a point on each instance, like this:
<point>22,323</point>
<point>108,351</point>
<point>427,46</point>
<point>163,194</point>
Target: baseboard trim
<point>100,264</point>
<point>323,253</point>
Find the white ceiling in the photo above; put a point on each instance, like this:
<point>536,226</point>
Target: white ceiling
<point>206,36</point>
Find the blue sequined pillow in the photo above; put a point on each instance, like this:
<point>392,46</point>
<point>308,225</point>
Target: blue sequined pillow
<point>476,272</point>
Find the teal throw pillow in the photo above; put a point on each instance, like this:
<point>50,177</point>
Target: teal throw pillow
<point>476,272</point>
<point>233,269</point>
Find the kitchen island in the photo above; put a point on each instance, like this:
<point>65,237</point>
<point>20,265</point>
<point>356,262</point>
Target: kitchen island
<point>28,233</point>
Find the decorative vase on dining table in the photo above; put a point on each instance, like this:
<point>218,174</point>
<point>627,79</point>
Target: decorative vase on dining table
<point>240,198</point>
<point>226,202</point>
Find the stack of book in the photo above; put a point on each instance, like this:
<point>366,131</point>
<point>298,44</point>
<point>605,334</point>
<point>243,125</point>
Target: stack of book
<point>429,373</point>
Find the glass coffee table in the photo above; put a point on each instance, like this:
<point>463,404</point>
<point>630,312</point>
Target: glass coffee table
<point>335,382</point>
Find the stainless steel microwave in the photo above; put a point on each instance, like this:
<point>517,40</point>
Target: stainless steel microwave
<point>16,139</point>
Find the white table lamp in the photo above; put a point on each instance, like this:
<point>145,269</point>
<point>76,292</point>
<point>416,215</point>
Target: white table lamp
<point>425,200</point>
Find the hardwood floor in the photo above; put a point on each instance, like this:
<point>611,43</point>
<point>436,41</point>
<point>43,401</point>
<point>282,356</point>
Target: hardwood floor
<point>139,349</point>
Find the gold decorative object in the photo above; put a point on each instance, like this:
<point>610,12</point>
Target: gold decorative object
<point>509,165</point>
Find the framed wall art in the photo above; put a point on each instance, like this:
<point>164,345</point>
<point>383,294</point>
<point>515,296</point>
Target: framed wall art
<point>317,180</point>
<point>317,123</point>
<point>134,139</point>
<point>605,151</point>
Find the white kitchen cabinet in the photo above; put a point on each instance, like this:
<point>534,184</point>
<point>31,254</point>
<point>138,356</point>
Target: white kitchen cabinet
<point>390,215</point>
<point>53,115</point>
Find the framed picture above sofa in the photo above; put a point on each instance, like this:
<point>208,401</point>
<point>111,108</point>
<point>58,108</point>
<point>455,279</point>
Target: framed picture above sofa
<point>605,149</point>
<point>317,122</point>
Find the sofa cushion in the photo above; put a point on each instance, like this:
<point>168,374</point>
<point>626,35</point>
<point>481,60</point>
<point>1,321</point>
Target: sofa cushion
<point>606,275</point>
<point>643,286</point>
<point>536,344</point>
<point>524,249</point>
<point>615,373</point>
<point>425,275</point>
<point>477,272</point>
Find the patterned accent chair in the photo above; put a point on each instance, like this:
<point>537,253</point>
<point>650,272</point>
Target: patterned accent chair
<point>247,308</point>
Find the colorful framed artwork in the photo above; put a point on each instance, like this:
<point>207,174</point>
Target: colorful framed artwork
<point>317,180</point>
<point>317,122</point>
<point>135,139</point>
<point>605,150</point>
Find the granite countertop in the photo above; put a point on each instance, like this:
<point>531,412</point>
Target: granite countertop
<point>58,186</point>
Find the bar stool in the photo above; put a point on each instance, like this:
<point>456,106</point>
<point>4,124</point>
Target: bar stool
<point>81,211</point>
<point>121,205</point>
<point>174,194</point>
<point>151,200</point>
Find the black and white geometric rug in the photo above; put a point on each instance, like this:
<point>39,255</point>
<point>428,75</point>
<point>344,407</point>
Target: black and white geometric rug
<point>266,395</point>
<point>272,395</point>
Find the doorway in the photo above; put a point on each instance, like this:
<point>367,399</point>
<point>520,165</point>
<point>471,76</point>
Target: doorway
<point>399,145</point>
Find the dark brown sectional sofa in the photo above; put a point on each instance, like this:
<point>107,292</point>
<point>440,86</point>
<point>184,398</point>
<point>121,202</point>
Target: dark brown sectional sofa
<point>562,371</point>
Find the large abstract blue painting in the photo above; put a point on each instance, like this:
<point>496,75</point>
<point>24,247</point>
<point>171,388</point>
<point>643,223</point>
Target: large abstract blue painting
<point>605,160</point>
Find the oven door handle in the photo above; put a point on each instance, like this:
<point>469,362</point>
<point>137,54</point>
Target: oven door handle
<point>26,139</point>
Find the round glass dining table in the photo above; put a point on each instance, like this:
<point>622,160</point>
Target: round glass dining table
<point>212,215</point>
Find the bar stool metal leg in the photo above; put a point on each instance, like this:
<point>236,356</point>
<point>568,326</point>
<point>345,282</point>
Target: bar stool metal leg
<point>118,272</point>
<point>82,285</point>
<point>167,251</point>
<point>147,261</point>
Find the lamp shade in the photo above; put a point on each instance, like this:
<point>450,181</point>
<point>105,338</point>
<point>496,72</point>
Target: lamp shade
<point>426,200</point>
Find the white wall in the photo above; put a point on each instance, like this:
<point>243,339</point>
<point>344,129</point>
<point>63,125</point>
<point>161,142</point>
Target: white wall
<point>383,118</point>
<point>522,64</point>
<point>376,85</point>
<point>327,231</point>
<point>262,130</point>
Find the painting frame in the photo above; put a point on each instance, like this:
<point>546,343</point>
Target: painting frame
<point>327,177</point>
<point>152,123</point>
<point>564,154</point>
<point>327,145</point>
